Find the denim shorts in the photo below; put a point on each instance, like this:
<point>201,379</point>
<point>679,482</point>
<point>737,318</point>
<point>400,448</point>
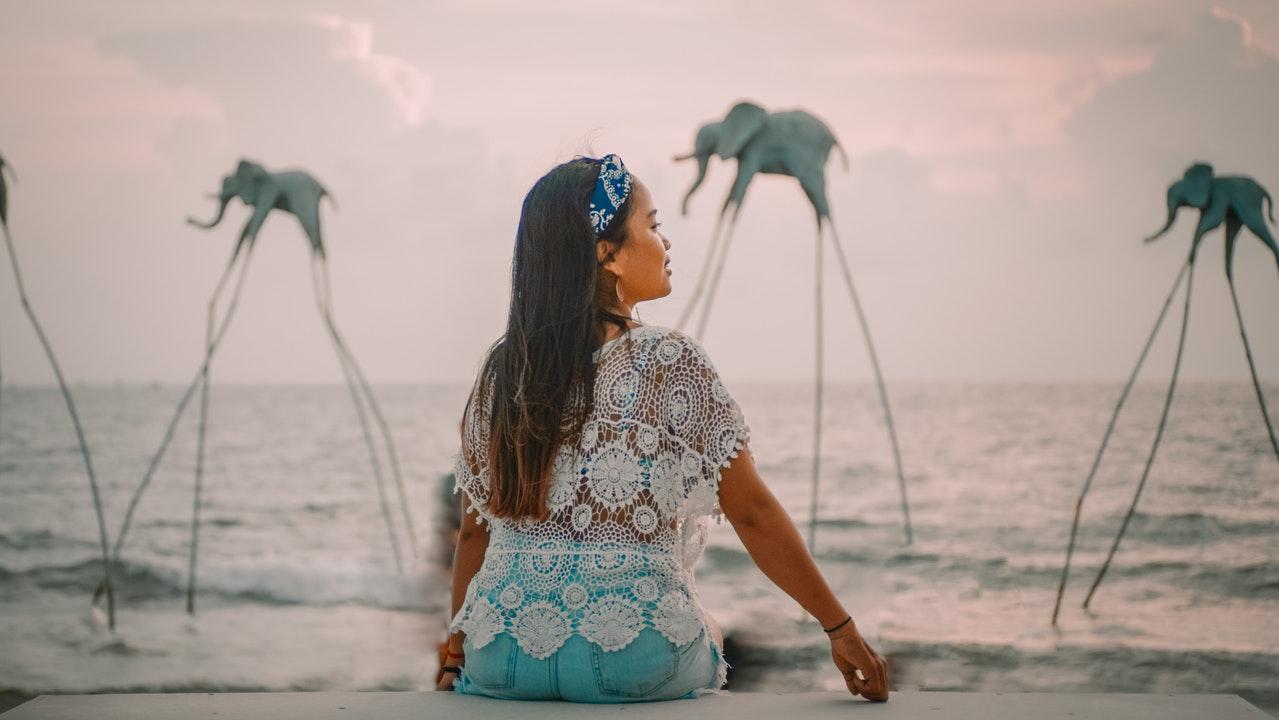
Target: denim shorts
<point>649,668</point>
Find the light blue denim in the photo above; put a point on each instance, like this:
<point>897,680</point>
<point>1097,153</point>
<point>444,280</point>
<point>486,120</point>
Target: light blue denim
<point>649,668</point>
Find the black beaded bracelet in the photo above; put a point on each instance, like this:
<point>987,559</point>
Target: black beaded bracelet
<point>846,621</point>
<point>453,669</point>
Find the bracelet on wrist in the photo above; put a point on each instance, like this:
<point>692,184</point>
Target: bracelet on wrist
<point>452,669</point>
<point>842,624</point>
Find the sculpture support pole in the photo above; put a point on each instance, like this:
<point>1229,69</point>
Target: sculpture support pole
<point>817,394</point>
<point>1105,438</point>
<point>701,275</point>
<point>199,469</point>
<point>75,422</point>
<point>177,414</point>
<point>209,339</point>
<point>359,411</point>
<point>1163,419</point>
<point>719,270</point>
<point>1252,368</point>
<point>879,377</point>
<point>383,426</point>
<point>1,411</point>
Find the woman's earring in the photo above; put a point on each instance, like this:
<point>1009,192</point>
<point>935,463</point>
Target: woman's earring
<point>618,286</point>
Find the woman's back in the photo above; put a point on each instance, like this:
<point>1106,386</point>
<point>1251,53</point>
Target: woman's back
<point>582,589</point>
<point>629,506</point>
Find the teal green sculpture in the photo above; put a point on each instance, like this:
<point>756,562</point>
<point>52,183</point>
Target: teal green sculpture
<point>299,194</point>
<point>1237,201</point>
<point>797,144</point>
<point>105,587</point>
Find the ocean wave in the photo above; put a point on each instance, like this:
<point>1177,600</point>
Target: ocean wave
<point>1194,527</point>
<point>921,664</point>
<point>1078,668</point>
<point>185,524</point>
<point>136,581</point>
<point>1241,580</point>
<point>39,540</point>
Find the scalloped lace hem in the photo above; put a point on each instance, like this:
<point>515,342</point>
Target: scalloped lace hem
<point>551,648</point>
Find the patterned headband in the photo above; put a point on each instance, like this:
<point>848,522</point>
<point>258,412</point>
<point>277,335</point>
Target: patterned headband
<point>612,188</point>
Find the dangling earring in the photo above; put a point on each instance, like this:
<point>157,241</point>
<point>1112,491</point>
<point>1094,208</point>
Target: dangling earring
<point>618,286</point>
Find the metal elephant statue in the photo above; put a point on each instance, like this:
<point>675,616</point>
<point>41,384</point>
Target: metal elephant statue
<point>298,193</point>
<point>1237,201</point>
<point>798,144</point>
<point>789,142</point>
<point>293,191</point>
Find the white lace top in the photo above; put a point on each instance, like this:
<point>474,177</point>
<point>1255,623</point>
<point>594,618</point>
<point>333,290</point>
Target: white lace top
<point>630,507</point>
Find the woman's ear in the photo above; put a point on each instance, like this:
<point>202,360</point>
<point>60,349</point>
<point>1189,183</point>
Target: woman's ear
<point>605,254</point>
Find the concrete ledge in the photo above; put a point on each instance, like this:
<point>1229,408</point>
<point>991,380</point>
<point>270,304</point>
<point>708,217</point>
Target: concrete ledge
<point>729,706</point>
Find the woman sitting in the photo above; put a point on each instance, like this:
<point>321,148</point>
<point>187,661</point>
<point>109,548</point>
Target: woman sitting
<point>594,452</point>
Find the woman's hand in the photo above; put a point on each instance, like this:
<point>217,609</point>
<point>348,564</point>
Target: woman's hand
<point>851,653</point>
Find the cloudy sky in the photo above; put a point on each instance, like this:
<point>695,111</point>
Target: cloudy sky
<point>1006,158</point>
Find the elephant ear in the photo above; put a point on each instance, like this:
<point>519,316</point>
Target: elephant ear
<point>249,176</point>
<point>741,124</point>
<point>1197,185</point>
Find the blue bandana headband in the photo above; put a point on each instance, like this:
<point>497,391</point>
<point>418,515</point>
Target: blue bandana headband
<point>612,188</point>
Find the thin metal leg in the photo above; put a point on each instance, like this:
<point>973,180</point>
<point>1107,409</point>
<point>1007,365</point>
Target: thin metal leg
<point>701,275</point>
<point>1163,419</point>
<point>879,378</point>
<point>1252,368</point>
<point>322,301</point>
<point>383,426</point>
<point>719,270</point>
<point>817,396</point>
<point>1105,438</point>
<point>210,337</point>
<point>83,442</point>
<point>182,403</point>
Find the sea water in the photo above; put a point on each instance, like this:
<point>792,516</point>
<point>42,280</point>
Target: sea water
<point>298,589</point>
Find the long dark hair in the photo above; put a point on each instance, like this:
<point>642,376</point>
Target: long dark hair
<point>541,371</point>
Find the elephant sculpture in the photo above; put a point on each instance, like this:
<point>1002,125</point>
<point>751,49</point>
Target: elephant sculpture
<point>293,191</point>
<point>798,144</point>
<point>1237,201</point>
<point>298,193</point>
<point>789,142</point>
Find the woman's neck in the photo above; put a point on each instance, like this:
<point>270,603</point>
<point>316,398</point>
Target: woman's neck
<point>608,331</point>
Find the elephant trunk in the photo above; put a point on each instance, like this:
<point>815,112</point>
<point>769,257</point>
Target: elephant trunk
<point>1174,202</point>
<point>702,161</point>
<point>222,203</point>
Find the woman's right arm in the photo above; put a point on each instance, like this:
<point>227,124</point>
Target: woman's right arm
<point>774,543</point>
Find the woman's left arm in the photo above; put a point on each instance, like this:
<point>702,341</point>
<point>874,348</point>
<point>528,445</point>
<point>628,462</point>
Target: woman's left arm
<point>472,541</point>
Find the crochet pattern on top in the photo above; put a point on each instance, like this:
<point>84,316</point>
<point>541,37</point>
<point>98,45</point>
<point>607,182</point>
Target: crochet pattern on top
<point>630,506</point>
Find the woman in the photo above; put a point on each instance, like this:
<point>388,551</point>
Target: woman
<point>595,449</point>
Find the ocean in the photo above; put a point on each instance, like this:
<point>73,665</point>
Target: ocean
<point>298,588</point>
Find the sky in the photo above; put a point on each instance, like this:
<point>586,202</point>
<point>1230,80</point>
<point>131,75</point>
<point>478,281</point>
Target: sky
<point>1005,161</point>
